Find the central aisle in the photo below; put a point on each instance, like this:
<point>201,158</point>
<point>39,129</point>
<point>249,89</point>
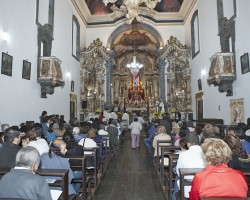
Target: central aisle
<point>130,175</point>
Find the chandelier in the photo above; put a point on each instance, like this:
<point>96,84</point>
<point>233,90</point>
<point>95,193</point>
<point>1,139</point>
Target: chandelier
<point>134,66</point>
<point>131,8</point>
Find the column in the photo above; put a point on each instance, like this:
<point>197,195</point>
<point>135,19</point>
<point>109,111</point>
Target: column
<point>162,85</point>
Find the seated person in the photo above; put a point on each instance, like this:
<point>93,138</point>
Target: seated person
<point>88,142</point>
<point>77,135</point>
<point>55,160</point>
<point>240,159</point>
<point>10,148</point>
<point>36,141</point>
<point>51,134</point>
<point>191,158</point>
<point>21,182</point>
<point>217,179</point>
<point>161,135</point>
<point>148,141</point>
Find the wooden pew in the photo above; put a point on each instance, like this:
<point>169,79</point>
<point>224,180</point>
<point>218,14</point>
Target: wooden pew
<point>159,144</point>
<point>63,183</point>
<point>92,172</point>
<point>102,156</point>
<point>106,139</point>
<point>79,164</point>
<point>170,175</point>
<point>165,151</point>
<point>183,182</point>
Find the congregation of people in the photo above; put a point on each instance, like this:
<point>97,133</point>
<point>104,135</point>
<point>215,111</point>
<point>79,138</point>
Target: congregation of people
<point>46,145</point>
<point>54,140</point>
<point>221,153</point>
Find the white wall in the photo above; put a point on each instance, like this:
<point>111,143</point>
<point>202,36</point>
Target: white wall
<point>20,98</point>
<point>209,45</point>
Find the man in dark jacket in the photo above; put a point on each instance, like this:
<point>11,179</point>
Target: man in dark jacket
<point>167,123</point>
<point>21,182</point>
<point>10,148</point>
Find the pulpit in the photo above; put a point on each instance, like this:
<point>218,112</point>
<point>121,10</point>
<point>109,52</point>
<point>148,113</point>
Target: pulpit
<point>222,72</point>
<point>49,75</point>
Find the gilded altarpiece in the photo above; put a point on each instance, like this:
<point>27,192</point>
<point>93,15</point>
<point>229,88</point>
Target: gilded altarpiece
<point>93,76</point>
<point>177,57</point>
<point>135,91</point>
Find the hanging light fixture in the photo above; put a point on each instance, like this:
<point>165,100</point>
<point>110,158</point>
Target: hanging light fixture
<point>134,66</point>
<point>131,8</point>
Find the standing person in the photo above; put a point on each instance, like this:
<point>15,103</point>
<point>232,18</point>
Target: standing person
<point>43,115</point>
<point>136,128</point>
<point>22,182</point>
<point>167,123</point>
<point>217,179</point>
<point>125,118</point>
<point>140,119</point>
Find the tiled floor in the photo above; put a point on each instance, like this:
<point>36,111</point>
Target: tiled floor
<point>130,176</point>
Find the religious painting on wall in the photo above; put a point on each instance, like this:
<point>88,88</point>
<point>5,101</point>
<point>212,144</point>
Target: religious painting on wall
<point>26,70</point>
<point>6,67</point>
<point>237,111</point>
<point>244,60</point>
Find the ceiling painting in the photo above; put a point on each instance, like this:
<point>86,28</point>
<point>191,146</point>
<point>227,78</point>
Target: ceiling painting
<point>97,7</point>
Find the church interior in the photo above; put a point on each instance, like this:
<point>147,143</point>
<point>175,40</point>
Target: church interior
<point>79,58</point>
<point>72,57</point>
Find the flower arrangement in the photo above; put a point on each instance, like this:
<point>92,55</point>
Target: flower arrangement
<point>173,110</point>
<point>156,114</point>
<point>98,110</point>
<point>119,114</point>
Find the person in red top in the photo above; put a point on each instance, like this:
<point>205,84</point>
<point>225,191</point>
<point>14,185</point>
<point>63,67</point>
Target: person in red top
<point>217,179</point>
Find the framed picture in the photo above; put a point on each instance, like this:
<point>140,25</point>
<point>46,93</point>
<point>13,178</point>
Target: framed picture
<point>72,86</point>
<point>26,70</point>
<point>199,85</point>
<point>6,67</point>
<point>237,111</point>
<point>244,60</point>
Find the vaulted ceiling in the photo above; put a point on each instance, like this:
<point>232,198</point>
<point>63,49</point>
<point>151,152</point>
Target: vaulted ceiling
<point>94,12</point>
<point>97,7</point>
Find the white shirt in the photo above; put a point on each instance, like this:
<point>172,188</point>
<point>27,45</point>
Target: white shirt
<point>87,143</point>
<point>125,118</point>
<point>161,136</point>
<point>135,127</point>
<point>114,115</point>
<point>192,158</point>
<point>41,145</point>
<point>103,132</point>
<point>141,120</point>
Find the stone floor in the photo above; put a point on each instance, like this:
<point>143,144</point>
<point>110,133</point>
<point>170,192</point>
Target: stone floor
<point>130,176</point>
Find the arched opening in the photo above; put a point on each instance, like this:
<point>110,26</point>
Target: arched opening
<point>135,89</point>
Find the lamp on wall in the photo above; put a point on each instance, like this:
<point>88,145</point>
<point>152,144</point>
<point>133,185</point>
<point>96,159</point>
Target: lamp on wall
<point>5,36</point>
<point>131,8</point>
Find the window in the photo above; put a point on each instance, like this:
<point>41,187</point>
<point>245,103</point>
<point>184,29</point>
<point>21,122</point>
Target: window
<point>195,34</point>
<point>75,38</point>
